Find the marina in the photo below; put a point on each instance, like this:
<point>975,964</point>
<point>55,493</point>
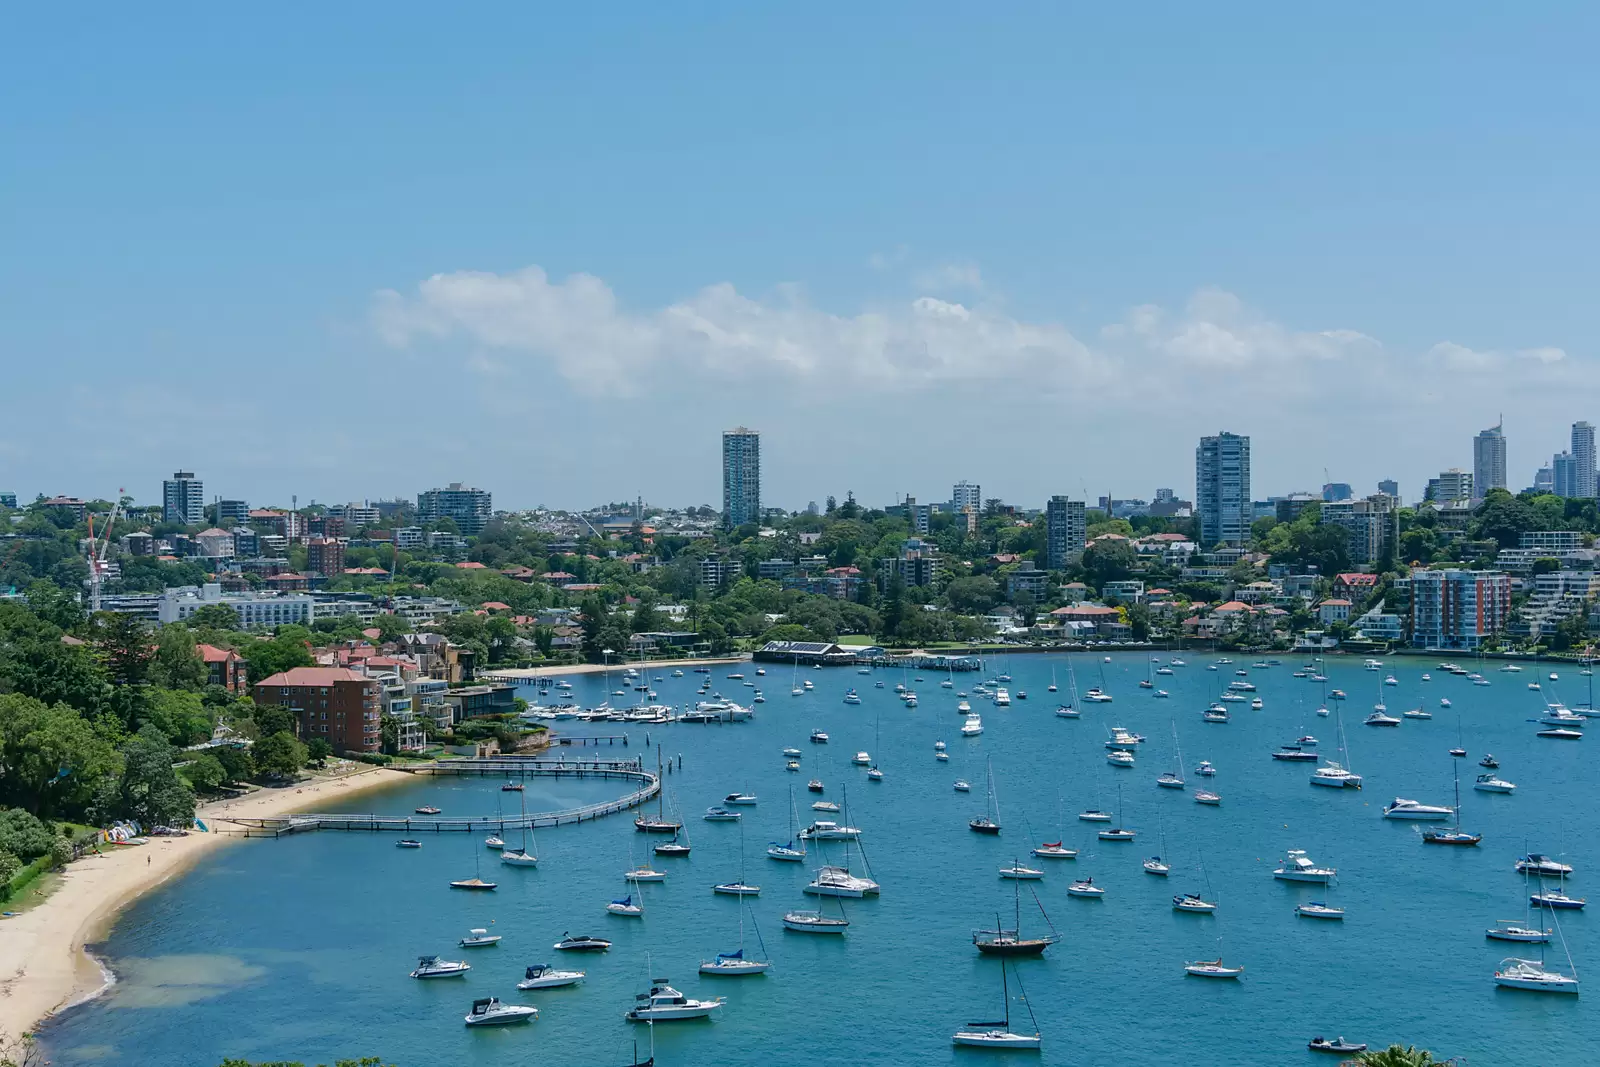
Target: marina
<point>1417,915</point>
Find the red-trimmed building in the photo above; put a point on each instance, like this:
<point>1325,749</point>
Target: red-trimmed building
<point>336,704</point>
<point>225,667</point>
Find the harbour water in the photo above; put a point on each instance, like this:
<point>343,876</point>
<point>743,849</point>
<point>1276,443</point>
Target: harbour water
<point>299,948</point>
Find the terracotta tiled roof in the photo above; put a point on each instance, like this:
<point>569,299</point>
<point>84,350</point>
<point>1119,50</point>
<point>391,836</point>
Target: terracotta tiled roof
<point>313,676</point>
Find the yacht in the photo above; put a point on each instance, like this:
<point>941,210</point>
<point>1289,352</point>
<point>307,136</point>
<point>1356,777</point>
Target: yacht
<point>428,809</point>
<point>1527,974</point>
<point>972,727</point>
<point>1117,835</point>
<point>963,707</point>
<point>1169,780</point>
<point>1490,783</point>
<point>1018,872</point>
<point>1335,776</point>
<point>1002,699</point>
<point>1211,969</point>
<point>541,976</point>
<point>734,965</point>
<point>1067,711</point>
<point>862,759</point>
<point>488,1011</point>
<point>722,815</point>
<point>1295,754</point>
<point>814,786</point>
<point>1053,850</point>
<point>1192,902</point>
<point>999,1034</point>
<point>1316,909</point>
<point>818,737</point>
<point>745,799</point>
<point>408,842</point>
<point>791,753</point>
<point>585,943</point>
<point>1215,713</point>
<point>852,697</point>
<point>479,938</point>
<point>1379,718</point>
<point>1560,733</point>
<point>1085,887</point>
<point>939,746</point>
<point>643,873</point>
<point>962,786</point>
<point>1509,930</point>
<point>1205,796</point>
<point>826,805</point>
<point>1542,865</point>
<point>787,853</point>
<point>665,1004</point>
<point>1119,758</point>
<point>1094,815</point>
<point>813,922</point>
<point>825,830</point>
<point>1096,695</point>
<point>1257,704</point>
<point>626,908</point>
<point>1557,899</point>
<point>1205,770</point>
<point>1401,808</point>
<point>736,889</point>
<point>434,967</point>
<point>1155,865</point>
<point>1417,713</point>
<point>1298,868</point>
<point>839,882</point>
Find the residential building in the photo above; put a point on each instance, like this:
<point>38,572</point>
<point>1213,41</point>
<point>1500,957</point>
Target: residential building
<point>1379,625</point>
<point>231,513</point>
<point>470,509</point>
<point>741,477</point>
<point>1222,489</point>
<point>1354,586</point>
<point>225,667</point>
<point>424,610</point>
<point>408,538</point>
<point>1166,505</point>
<point>1027,584</point>
<point>476,701</point>
<point>78,509</point>
<point>268,609</point>
<point>1131,590</point>
<point>325,555</point>
<point>1583,459</point>
<point>1066,530</point>
<point>246,542</point>
<point>1551,540</point>
<point>8,500</point>
<point>355,516</point>
<point>917,564</point>
<point>1451,485</point>
<point>1489,460</point>
<point>1563,475</point>
<point>1457,609</point>
<point>138,543</point>
<point>216,543</point>
<point>716,571</point>
<point>968,518</point>
<point>966,495</point>
<point>776,569</point>
<point>337,704</point>
<point>1288,508</point>
<point>396,703</point>
<point>1332,610</point>
<point>183,499</point>
<point>1373,524</point>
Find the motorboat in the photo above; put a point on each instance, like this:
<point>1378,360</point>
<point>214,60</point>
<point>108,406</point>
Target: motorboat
<point>428,809</point>
<point>1401,808</point>
<point>1295,754</point>
<point>1561,733</point>
<point>1020,873</point>
<point>569,943</point>
<point>434,967</point>
<point>737,799</point>
<point>1204,796</point>
<point>1297,867</point>
<point>791,753</point>
<point>626,908</point>
<point>1232,698</point>
<point>1120,758</point>
<point>813,922</point>
<point>818,737</point>
<point>1094,815</point>
<point>665,1004</point>
<point>736,889</point>
<point>963,706</point>
<point>1335,776</point>
<point>1543,866</point>
<point>1417,713</point>
<point>1211,969</point>
<point>1215,713</point>
<point>407,842</point>
<point>479,938</point>
<point>1530,974</point>
<point>1193,902</point>
<point>852,697</point>
<point>825,830</point>
<point>962,786</point>
<point>511,787</point>
<point>1379,718</point>
<point>1316,909</point>
<point>1205,770</point>
<point>826,805</point>
<point>1085,887</point>
<point>1054,850</point>
<point>1336,694</point>
<point>1391,680</point>
<point>792,765</point>
<point>939,746</point>
<point>722,815</point>
<point>1096,695</point>
<point>815,785</point>
<point>1156,866</point>
<point>1488,761</point>
<point>862,759</point>
<point>643,873</point>
<point>1444,702</point>
<point>1509,930</point>
<point>541,976</point>
<point>1118,834</point>
<point>1002,699</point>
<point>493,842</point>
<point>488,1011</point>
<point>1490,783</point>
<point>1557,715</point>
<point>973,726</point>
<point>1257,704</point>
<point>1557,900</point>
<point>1339,1045</point>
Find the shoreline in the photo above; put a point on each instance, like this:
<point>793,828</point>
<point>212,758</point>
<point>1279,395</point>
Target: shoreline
<point>512,674</point>
<point>45,965</point>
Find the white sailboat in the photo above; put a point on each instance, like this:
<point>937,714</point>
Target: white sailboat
<point>999,1034</point>
<point>734,964</point>
<point>522,856</point>
<point>793,852</point>
<point>1173,779</point>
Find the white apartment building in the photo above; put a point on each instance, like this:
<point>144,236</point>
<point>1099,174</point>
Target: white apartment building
<point>254,609</point>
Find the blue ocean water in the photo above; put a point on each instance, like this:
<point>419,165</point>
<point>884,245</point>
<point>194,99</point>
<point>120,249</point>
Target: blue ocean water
<point>299,948</point>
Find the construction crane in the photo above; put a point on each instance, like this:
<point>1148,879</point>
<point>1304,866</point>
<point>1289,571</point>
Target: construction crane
<point>97,556</point>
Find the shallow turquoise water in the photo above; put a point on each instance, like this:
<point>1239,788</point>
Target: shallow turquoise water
<point>299,948</point>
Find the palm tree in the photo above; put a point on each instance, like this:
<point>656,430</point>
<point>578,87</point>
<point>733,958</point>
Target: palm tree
<point>1395,1056</point>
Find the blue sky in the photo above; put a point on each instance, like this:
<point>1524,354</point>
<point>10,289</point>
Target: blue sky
<point>1044,247</point>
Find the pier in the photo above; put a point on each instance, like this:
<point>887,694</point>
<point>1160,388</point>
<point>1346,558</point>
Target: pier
<point>505,767</point>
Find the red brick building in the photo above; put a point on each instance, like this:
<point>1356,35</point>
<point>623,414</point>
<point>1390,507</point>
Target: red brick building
<point>225,667</point>
<point>336,704</point>
<point>325,555</point>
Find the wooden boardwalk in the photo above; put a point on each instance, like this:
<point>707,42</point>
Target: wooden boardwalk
<point>506,767</point>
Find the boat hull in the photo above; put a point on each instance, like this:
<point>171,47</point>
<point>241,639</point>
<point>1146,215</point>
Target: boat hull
<point>734,968</point>
<point>996,1039</point>
<point>1565,985</point>
<point>815,926</point>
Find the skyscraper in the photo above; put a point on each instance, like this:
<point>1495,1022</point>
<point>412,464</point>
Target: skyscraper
<point>1222,489</point>
<point>1583,474</point>
<point>1489,461</point>
<point>1065,529</point>
<point>966,494</point>
<point>1390,487</point>
<point>183,499</point>
<point>741,477</point>
<point>1562,474</point>
<point>470,509</point>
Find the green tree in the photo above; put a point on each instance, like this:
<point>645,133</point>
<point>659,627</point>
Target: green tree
<point>284,652</point>
<point>972,596</point>
<point>54,759</point>
<point>391,627</point>
<point>10,864</point>
<point>23,835</point>
<point>176,664</point>
<point>271,719</point>
<point>1502,518</point>
<point>124,644</point>
<point>1395,1056</point>
<point>182,716</point>
<point>215,617</point>
<point>280,754</point>
<point>35,662</point>
<point>149,789</point>
<point>1108,561</point>
<point>318,750</point>
<point>204,773</point>
<point>544,639</point>
<point>238,765</point>
<point>55,605</point>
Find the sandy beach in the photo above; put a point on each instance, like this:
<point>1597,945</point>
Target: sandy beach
<point>43,965</point>
<point>512,674</point>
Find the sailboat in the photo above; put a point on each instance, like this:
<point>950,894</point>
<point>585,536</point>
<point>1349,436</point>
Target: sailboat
<point>1003,942</point>
<point>679,845</point>
<point>476,881</point>
<point>1052,687</point>
<point>1117,833</point>
<point>1460,750</point>
<point>1194,903</point>
<point>791,852</point>
<point>1337,775</point>
<point>1000,1034</point>
<point>1509,930</point>
<point>1148,681</point>
<point>1173,779</point>
<point>1454,836</point>
<point>521,856</point>
<point>741,888</point>
<point>1055,850</point>
<point>1517,973</point>
<point>1212,968</point>
<point>989,821</point>
<point>1155,864</point>
<point>734,964</point>
<point>874,774</point>
<point>660,824</point>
